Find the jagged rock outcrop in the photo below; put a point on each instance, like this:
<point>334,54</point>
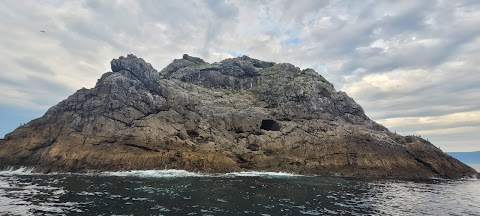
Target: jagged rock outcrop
<point>237,114</point>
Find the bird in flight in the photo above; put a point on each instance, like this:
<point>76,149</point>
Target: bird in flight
<point>42,31</point>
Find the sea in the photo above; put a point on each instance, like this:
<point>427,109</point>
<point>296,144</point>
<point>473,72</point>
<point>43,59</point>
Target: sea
<point>178,192</point>
<point>475,166</point>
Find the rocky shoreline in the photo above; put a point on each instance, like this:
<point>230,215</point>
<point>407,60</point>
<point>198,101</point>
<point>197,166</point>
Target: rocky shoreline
<point>239,114</point>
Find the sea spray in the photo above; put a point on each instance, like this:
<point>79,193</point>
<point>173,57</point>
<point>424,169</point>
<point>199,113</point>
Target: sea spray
<point>17,171</point>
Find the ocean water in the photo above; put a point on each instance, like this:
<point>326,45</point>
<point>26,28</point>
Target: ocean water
<point>475,166</point>
<point>175,192</point>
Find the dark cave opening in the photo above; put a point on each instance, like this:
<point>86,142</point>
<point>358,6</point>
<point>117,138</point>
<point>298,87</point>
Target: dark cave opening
<point>270,125</point>
<point>192,133</point>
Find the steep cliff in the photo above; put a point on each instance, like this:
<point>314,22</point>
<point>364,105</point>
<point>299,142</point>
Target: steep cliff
<point>237,114</point>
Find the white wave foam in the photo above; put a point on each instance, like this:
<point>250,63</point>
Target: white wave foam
<point>261,174</point>
<point>171,173</point>
<point>471,178</point>
<point>17,171</point>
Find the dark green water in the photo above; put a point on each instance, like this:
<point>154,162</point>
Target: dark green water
<point>183,193</point>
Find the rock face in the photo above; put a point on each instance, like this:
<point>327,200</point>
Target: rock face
<point>237,114</point>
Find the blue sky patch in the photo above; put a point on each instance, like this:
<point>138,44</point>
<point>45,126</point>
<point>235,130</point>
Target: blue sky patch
<point>291,41</point>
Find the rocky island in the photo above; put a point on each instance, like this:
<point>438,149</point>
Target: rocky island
<point>239,114</point>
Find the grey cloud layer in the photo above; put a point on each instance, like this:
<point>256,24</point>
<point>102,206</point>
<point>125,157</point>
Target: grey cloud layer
<point>401,60</point>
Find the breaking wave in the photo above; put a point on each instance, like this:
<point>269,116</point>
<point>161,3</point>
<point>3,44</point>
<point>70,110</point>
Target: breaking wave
<point>262,174</point>
<point>170,173</point>
<point>17,171</point>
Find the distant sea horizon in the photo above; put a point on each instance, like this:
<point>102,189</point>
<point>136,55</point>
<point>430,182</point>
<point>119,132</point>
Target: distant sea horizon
<point>475,166</point>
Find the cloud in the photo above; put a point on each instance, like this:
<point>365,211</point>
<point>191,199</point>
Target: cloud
<point>447,131</point>
<point>449,120</point>
<point>403,61</point>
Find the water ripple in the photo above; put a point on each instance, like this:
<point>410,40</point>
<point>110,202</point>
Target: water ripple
<point>183,193</point>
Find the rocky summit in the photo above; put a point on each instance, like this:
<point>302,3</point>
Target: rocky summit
<point>240,114</point>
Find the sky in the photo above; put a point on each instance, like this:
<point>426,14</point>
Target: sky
<point>412,65</point>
